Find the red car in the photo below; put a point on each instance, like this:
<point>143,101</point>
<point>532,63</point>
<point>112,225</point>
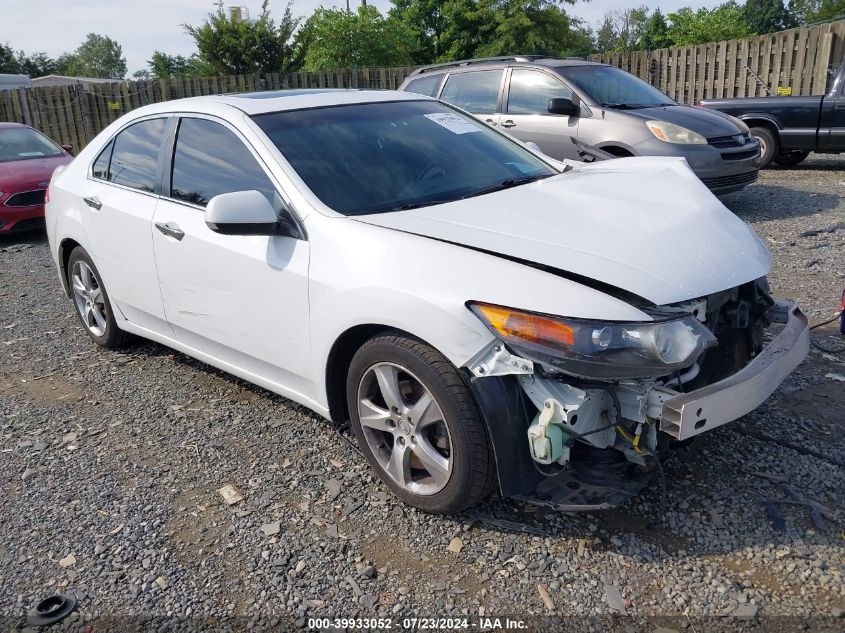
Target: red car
<point>27,161</point>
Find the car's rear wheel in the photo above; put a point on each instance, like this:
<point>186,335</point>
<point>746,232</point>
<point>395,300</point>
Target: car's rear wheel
<point>769,144</point>
<point>418,426</point>
<point>92,301</point>
<point>790,159</point>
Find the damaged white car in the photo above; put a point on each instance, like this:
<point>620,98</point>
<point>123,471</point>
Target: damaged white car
<point>487,318</point>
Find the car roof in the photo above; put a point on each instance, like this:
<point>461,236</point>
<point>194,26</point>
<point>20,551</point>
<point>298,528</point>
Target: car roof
<point>5,124</point>
<point>501,62</point>
<point>253,103</point>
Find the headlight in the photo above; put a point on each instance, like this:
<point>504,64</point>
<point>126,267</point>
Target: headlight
<point>598,350</point>
<point>671,133</point>
<point>741,125</point>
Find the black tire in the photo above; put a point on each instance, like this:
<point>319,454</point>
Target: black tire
<point>473,474</point>
<point>791,159</point>
<point>112,336</point>
<point>769,144</point>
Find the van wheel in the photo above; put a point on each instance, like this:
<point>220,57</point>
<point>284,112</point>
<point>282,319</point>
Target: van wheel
<point>92,301</point>
<point>790,159</point>
<point>418,426</point>
<point>769,144</point>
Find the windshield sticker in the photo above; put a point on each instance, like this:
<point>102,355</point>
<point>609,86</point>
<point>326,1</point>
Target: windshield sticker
<point>453,122</point>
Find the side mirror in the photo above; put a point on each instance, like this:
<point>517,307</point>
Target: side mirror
<point>564,106</point>
<point>68,148</point>
<point>245,213</point>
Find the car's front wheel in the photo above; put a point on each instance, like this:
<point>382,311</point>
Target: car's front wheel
<point>92,301</point>
<point>418,426</point>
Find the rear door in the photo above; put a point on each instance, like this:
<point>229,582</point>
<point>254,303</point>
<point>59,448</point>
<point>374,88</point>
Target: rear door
<point>525,112</point>
<point>478,92</point>
<point>119,198</point>
<point>242,299</point>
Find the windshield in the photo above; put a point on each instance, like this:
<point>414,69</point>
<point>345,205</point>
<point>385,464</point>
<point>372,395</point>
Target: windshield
<point>611,87</point>
<point>377,157</point>
<point>20,143</point>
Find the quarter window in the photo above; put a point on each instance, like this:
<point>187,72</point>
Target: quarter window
<point>209,160</point>
<point>476,92</point>
<point>101,165</point>
<point>424,86</point>
<point>134,158</point>
<point>531,91</point>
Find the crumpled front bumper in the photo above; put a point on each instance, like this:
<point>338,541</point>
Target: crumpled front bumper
<point>690,414</point>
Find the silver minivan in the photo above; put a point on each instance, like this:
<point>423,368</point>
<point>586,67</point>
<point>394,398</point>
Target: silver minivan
<point>553,102</point>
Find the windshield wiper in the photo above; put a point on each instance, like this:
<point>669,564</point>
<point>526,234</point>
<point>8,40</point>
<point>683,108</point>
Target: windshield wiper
<point>625,106</point>
<point>505,184</point>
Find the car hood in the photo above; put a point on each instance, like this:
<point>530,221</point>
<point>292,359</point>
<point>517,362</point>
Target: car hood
<point>644,225</point>
<point>708,123</point>
<point>30,171</point>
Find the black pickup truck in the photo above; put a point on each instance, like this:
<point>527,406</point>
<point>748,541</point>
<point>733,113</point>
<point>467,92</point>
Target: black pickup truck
<point>789,128</point>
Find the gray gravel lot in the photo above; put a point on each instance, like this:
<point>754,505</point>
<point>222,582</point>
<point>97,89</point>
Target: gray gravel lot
<point>110,465</point>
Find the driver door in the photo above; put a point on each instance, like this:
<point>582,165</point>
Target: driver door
<point>526,116</point>
<point>240,299</point>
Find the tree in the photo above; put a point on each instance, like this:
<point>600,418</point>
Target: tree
<point>8,61</point>
<point>725,22</point>
<point>528,27</point>
<point>655,33</point>
<point>425,23</point>
<point>767,16</point>
<point>164,66</point>
<point>230,45</point>
<point>36,64</point>
<point>623,29</point>
<point>98,56</point>
<point>352,39</point>
<point>809,11</point>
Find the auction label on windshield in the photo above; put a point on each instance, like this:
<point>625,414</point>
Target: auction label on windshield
<point>453,122</point>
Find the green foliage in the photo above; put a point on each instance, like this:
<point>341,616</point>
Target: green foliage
<point>97,56</point>
<point>36,64</point>
<point>8,61</point>
<point>164,66</point>
<point>655,33</point>
<point>809,11</point>
<point>725,22</point>
<point>348,39</point>
<point>442,30</point>
<point>767,16</point>
<point>228,45</point>
<point>424,22</point>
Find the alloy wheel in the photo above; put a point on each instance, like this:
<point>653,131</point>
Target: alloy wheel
<point>404,428</point>
<point>89,299</point>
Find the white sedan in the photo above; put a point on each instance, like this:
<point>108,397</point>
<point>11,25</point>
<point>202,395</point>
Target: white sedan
<point>487,318</point>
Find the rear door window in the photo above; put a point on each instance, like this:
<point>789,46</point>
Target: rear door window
<point>100,169</point>
<point>424,85</point>
<point>531,91</point>
<point>476,92</point>
<point>134,159</point>
<point>209,159</point>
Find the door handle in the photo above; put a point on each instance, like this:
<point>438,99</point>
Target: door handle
<point>93,202</point>
<point>508,123</point>
<point>171,230</point>
<point>490,122</point>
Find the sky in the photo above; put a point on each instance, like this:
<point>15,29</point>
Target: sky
<point>143,26</point>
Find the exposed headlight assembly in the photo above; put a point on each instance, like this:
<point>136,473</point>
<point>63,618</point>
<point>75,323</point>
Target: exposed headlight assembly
<point>598,350</point>
<point>671,133</point>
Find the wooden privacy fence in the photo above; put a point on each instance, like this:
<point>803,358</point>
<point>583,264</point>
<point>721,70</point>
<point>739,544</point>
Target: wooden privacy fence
<point>76,113</point>
<point>797,59</point>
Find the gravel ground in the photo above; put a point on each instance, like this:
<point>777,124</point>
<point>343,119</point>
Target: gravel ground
<point>110,465</point>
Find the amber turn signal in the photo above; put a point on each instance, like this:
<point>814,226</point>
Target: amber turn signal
<point>526,326</point>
